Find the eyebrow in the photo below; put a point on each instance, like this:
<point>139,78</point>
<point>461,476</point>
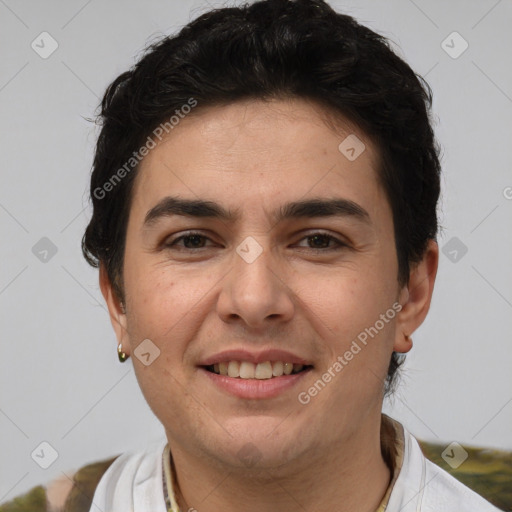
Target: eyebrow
<point>337,207</point>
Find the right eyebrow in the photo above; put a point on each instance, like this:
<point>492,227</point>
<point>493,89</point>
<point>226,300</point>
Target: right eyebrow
<point>170,206</point>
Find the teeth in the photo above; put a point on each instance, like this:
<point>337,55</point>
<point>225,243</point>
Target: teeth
<point>223,368</point>
<point>277,369</point>
<point>234,369</point>
<point>263,370</point>
<point>247,370</point>
<point>260,371</point>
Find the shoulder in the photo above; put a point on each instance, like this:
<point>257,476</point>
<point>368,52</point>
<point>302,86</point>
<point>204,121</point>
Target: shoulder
<point>445,492</point>
<point>423,484</point>
<point>68,493</point>
<point>487,472</point>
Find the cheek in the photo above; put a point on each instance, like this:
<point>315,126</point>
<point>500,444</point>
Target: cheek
<point>346,300</point>
<point>167,305</point>
<point>159,310</point>
<point>151,295</point>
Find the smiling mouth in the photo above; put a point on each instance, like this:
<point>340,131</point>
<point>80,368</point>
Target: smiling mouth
<point>260,371</point>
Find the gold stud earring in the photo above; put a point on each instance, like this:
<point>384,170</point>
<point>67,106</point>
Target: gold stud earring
<point>122,356</point>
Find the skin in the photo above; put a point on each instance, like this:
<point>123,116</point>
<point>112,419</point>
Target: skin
<point>253,157</point>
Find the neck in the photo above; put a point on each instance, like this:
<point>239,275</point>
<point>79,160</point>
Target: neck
<point>349,476</point>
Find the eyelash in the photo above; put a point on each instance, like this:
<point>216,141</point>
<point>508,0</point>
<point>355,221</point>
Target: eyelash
<point>339,244</point>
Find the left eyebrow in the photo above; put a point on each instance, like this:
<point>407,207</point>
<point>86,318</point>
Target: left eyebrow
<point>337,207</point>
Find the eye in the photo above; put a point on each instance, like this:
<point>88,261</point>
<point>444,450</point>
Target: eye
<point>188,241</point>
<point>323,241</point>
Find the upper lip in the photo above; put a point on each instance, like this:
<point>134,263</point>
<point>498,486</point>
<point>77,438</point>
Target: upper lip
<point>271,355</point>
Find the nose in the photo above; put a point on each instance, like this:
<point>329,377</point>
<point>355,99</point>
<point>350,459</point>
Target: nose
<point>255,293</point>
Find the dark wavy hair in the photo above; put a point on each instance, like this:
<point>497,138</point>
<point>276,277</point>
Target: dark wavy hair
<point>273,49</point>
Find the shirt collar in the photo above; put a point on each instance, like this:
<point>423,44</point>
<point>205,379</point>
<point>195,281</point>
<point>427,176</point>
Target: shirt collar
<point>392,447</point>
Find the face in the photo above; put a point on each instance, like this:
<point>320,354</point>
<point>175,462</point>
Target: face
<point>255,245</point>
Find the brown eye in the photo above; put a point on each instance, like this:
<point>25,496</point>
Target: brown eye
<point>321,242</point>
<point>193,241</point>
<point>188,241</point>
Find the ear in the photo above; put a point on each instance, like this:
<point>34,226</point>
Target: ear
<point>116,310</point>
<point>415,297</point>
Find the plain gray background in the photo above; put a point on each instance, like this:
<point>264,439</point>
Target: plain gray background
<point>61,382</point>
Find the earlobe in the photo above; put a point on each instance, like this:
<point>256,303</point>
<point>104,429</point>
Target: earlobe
<point>403,343</point>
<point>116,310</point>
<point>415,298</point>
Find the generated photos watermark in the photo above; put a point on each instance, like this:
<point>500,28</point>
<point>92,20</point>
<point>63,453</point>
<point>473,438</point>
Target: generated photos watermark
<point>158,134</point>
<point>361,341</point>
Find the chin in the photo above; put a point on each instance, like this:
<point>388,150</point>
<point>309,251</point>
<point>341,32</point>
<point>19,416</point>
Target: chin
<point>261,442</point>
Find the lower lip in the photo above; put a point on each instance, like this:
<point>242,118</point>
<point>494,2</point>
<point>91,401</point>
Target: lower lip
<point>254,389</point>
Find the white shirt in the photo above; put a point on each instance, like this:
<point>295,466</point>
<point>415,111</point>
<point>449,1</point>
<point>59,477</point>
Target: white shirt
<point>134,483</point>
<point>422,486</point>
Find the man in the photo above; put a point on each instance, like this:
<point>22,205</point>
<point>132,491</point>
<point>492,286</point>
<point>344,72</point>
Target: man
<point>264,189</point>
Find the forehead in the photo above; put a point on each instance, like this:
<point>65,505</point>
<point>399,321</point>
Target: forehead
<point>263,151</point>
